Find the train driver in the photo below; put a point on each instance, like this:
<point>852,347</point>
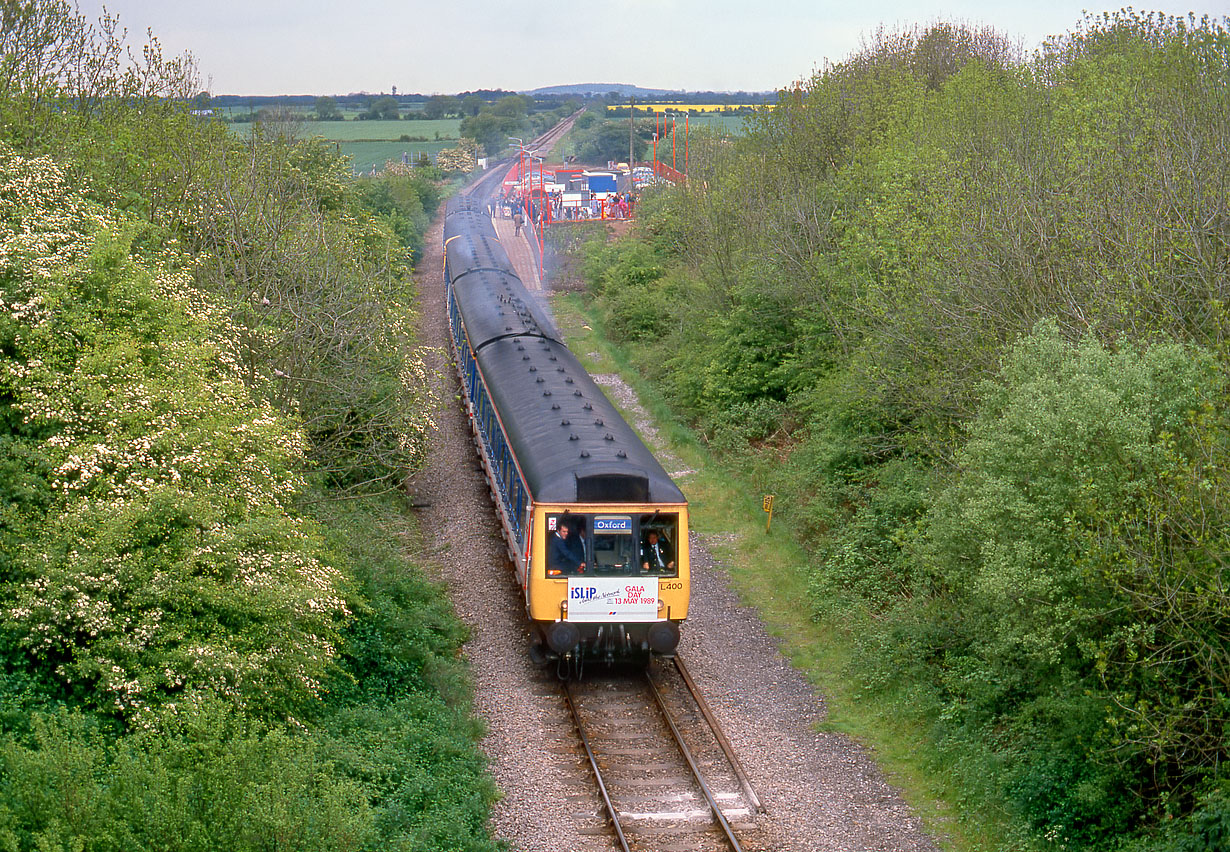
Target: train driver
<point>566,555</point>
<point>656,554</point>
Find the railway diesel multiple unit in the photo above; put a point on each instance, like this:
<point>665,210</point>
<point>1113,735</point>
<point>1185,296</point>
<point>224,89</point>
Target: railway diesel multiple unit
<point>596,529</point>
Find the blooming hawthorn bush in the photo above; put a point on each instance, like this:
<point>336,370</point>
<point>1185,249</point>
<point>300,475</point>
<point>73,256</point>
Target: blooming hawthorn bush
<point>151,554</point>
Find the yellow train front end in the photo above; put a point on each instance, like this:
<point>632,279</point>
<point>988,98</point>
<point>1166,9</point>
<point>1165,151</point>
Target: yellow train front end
<point>607,580</point>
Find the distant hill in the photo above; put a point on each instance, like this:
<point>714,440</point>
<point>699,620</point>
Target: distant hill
<point>625,90</point>
<point>602,88</point>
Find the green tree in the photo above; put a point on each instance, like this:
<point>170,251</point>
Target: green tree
<point>608,140</point>
<point>1035,527</point>
<point>141,421</point>
<point>135,164</point>
<point>184,652</point>
<point>1061,505</point>
<point>439,106</point>
<point>491,130</point>
<point>327,109</point>
<point>381,108</point>
<point>511,106</point>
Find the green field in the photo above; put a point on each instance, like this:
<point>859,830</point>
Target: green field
<point>440,129</point>
<point>733,124</point>
<point>367,154</point>
<point>430,130</point>
<point>370,143</point>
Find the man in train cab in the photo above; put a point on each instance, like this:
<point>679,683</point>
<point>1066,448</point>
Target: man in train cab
<point>566,552</point>
<point>656,555</point>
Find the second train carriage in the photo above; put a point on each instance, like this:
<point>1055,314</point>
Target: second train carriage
<point>558,454</point>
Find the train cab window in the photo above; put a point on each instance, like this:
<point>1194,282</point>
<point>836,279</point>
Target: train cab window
<point>568,551</point>
<point>659,533</point>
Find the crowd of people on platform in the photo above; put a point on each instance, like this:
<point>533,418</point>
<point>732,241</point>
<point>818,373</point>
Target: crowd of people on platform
<point>613,206</point>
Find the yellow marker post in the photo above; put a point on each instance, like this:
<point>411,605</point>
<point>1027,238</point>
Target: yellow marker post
<point>768,507</point>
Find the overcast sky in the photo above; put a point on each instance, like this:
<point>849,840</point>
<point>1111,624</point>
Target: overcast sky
<point>446,46</point>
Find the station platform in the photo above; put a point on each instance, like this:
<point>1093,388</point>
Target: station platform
<point>521,251</point>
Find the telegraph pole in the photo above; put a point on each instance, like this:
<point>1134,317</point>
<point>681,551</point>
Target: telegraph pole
<point>631,111</point>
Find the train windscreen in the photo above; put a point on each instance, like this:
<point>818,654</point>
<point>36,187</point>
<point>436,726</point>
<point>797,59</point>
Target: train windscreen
<point>612,544</point>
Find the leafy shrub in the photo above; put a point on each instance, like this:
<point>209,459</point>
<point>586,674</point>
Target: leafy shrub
<point>750,358</point>
<point>318,293</point>
<point>618,266</point>
<point>1208,828</point>
<point>1073,444</point>
<point>397,717</point>
<point>744,425</point>
<point>406,201</point>
<point>1050,778</point>
<point>213,781</point>
<point>317,290</point>
<point>1036,564</point>
<point>187,660</point>
<point>642,313</point>
<point>863,561</point>
<point>162,561</point>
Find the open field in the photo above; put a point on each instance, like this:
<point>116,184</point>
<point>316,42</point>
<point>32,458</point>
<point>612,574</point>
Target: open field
<point>432,130</point>
<point>724,123</point>
<point>441,129</point>
<point>367,154</point>
<point>239,111</point>
<point>370,143</point>
<point>694,108</point>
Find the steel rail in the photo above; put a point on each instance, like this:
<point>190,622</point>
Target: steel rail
<point>687,755</point>
<point>729,751</point>
<point>593,762</point>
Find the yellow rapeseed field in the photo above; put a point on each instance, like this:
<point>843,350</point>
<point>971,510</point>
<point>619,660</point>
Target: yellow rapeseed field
<point>690,107</point>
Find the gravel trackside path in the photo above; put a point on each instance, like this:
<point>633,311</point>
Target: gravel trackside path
<point>821,791</point>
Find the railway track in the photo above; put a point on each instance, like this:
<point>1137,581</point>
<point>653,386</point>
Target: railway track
<point>547,140</point>
<point>825,793</point>
<point>489,183</point>
<point>666,776</point>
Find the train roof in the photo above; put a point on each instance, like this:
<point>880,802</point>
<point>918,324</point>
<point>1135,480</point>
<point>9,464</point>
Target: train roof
<point>571,442</point>
<point>467,217</point>
<point>466,251</point>
<point>494,304</point>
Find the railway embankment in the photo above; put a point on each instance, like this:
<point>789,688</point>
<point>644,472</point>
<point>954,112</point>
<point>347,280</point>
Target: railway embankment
<point>821,790</point>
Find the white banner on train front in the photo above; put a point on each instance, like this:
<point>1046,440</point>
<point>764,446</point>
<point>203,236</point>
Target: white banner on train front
<point>625,599</point>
